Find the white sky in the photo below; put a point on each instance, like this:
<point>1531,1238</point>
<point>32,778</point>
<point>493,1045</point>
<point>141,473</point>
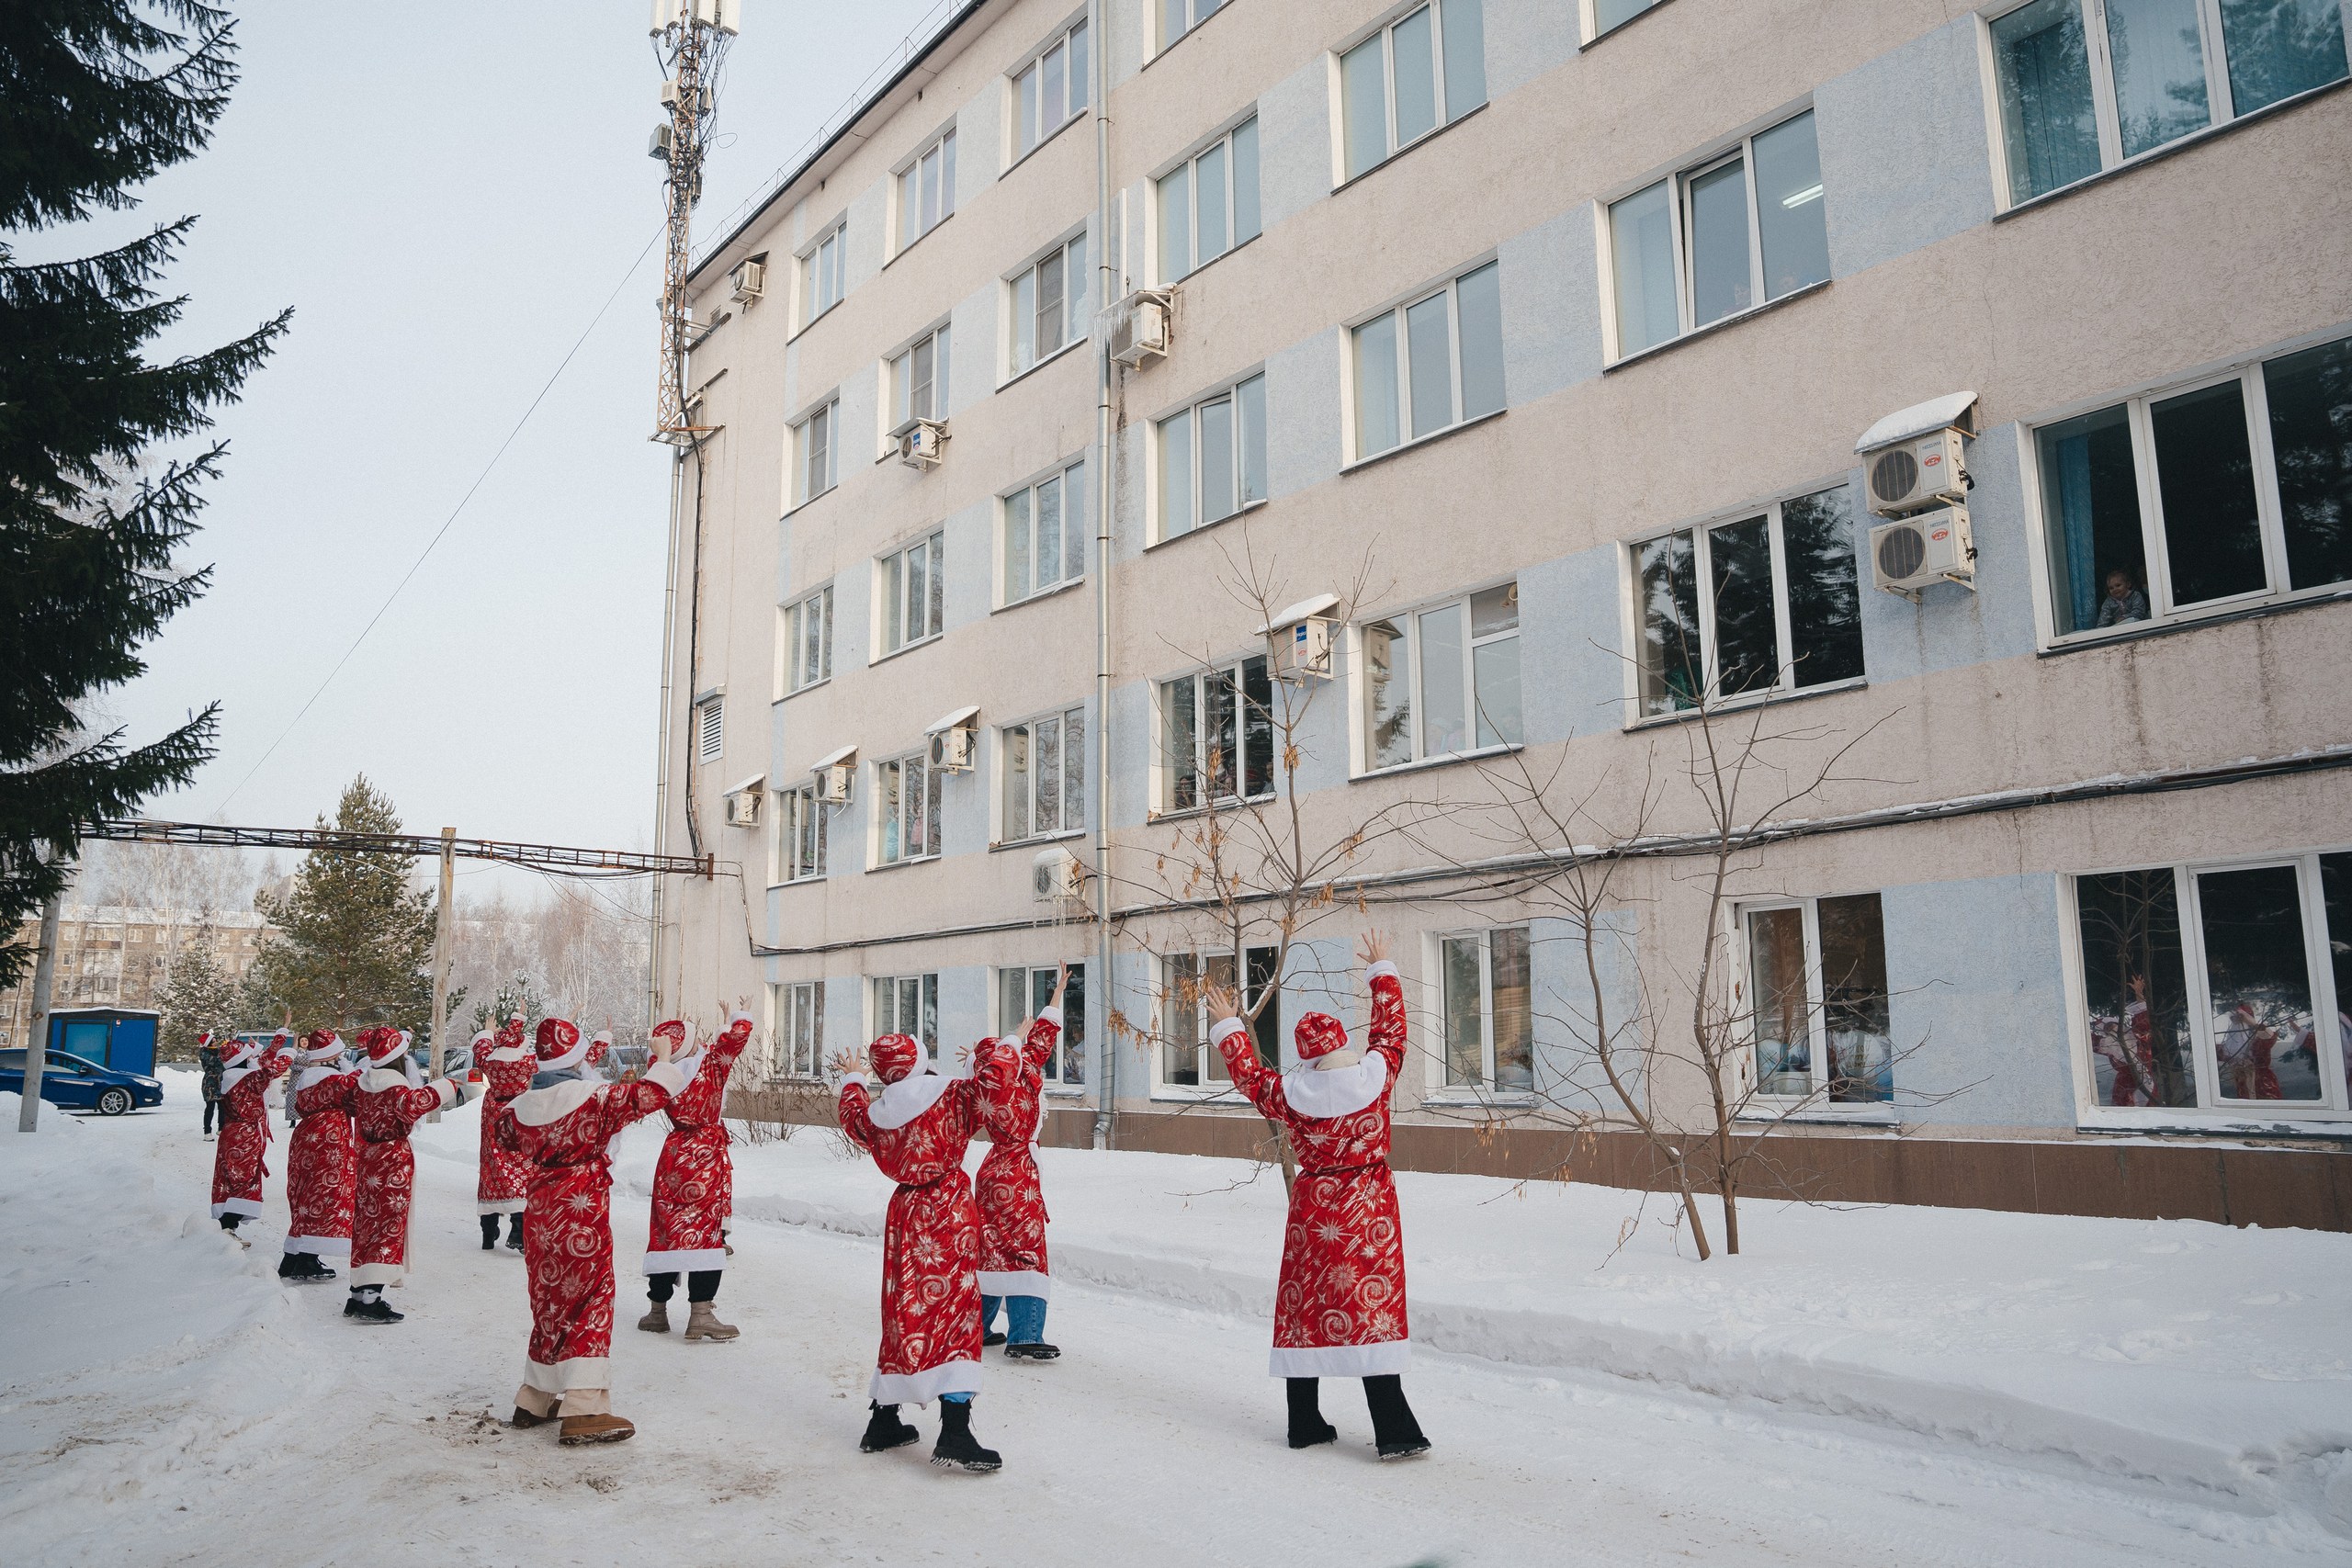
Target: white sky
<point>445,193</point>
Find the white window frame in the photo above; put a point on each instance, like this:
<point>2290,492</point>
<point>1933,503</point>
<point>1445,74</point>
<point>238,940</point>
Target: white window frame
<point>1196,12</point>
<point>1073,478</point>
<point>1074,254</point>
<point>2220,100</point>
<point>1073,1039</point>
<point>1384,37</point>
<point>1351,424</point>
<point>906,186</point>
<point>1076,90</point>
<point>1190,168</point>
<point>791,1004</point>
<point>812,266</point>
<point>882,1017</point>
<point>897,373</point>
<point>1027,787</point>
<point>2331,1112</point>
<point>1163,790</point>
<point>934,547</point>
<point>934,800</point>
<point>799,813</point>
<point>1588,17</point>
<point>792,676</point>
<point>2269,509</point>
<point>1230,392</point>
<point>1815,1101</point>
<point>710,728</point>
<point>804,430</point>
<point>1784,684</point>
<point>1171,1008</point>
<point>1483,1092</point>
<point>1410,619</point>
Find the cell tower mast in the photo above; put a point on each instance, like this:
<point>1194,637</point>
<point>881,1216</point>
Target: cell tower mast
<point>691,37</point>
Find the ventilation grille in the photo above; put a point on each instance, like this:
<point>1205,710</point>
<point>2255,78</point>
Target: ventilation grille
<point>1902,551</point>
<point>1893,476</point>
<point>710,730</point>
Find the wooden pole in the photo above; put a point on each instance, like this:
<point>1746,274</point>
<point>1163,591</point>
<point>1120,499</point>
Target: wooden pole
<point>441,943</point>
<point>37,1042</point>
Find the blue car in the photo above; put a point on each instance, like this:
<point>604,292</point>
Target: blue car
<point>73,1083</point>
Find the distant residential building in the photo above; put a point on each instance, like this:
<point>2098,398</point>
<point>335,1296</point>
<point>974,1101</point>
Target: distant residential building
<point>115,955</point>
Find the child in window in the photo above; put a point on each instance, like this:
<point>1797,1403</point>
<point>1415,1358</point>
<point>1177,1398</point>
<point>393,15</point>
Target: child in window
<point>2123,602</point>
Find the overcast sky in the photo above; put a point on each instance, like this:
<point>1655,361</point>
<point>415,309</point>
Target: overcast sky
<point>445,193</point>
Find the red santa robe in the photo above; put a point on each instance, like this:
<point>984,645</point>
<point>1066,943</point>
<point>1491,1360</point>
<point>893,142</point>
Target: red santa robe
<point>501,1185</point>
<point>693,1181</point>
<point>563,1132</point>
<point>322,1156</point>
<point>1340,1307</point>
<point>917,1131</point>
<point>238,1159</point>
<point>1011,1199</point>
<point>387,1100</point>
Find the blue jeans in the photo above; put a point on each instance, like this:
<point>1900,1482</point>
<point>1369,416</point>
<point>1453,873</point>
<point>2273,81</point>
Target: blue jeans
<point>1024,1318</point>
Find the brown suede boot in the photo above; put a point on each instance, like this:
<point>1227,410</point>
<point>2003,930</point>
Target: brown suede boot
<point>702,1323</point>
<point>579,1430</point>
<point>657,1319</point>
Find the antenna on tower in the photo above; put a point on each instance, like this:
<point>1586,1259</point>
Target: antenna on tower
<point>690,37</point>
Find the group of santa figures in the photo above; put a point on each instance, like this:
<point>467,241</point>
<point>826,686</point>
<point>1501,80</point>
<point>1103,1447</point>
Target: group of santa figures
<point>957,1251</point>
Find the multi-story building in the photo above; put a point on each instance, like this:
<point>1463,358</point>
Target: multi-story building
<point>1556,360</point>
<point>112,955</point>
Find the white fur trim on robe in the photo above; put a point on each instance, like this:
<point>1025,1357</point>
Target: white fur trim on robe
<point>574,1372</point>
<point>539,1106</point>
<point>1388,1358</point>
<point>902,1102</point>
<point>1328,1093</point>
<point>248,1208</point>
<point>922,1388</point>
<point>504,1206</point>
<point>691,1260</point>
<point>380,1273</point>
<point>1025,1282</point>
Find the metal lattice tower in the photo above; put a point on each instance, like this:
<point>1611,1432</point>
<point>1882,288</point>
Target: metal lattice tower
<point>691,37</point>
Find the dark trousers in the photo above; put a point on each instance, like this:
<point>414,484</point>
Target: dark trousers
<point>702,1285</point>
<point>490,1227</point>
<point>1392,1417</point>
<point>211,1108</point>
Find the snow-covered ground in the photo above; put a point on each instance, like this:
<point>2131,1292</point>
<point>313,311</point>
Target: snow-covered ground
<point>1880,1386</point>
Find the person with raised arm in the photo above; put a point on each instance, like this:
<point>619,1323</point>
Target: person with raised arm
<point>694,1184</point>
<point>240,1157</point>
<point>1340,1307</point>
<point>387,1097</point>
<point>501,1179</point>
<point>322,1161</point>
<point>917,1130</point>
<point>1012,1200</point>
<point>563,1128</point>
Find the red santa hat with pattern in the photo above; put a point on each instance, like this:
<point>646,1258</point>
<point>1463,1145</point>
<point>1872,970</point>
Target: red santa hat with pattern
<point>894,1056</point>
<point>1319,1034</point>
<point>510,1033</point>
<point>382,1044</point>
<point>561,1049</point>
<point>234,1053</point>
<point>505,1045</point>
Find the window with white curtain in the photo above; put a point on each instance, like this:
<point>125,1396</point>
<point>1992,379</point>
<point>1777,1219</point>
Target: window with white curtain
<point>1429,364</point>
<point>1049,91</point>
<point>1045,534</point>
<point>816,457</point>
<point>820,274</point>
<point>800,1028</point>
<point>1044,775</point>
<point>1424,69</point>
<point>1442,680</point>
<point>1045,304</point>
<point>927,190</point>
<point>1818,1020</point>
<point>809,641</point>
<point>919,381</point>
<point>1212,459</point>
<point>909,1005</point>
<point>913,590</point>
<point>906,809</point>
<point>1488,1004</point>
<point>1208,204</point>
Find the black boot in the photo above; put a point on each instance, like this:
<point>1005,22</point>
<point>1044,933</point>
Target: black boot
<point>302,1268</point>
<point>956,1446</point>
<point>290,1265</point>
<point>515,1232</point>
<point>1393,1430</point>
<point>884,1431</point>
<point>488,1232</point>
<point>374,1309</point>
<point>1034,1350</point>
<point>1307,1426</point>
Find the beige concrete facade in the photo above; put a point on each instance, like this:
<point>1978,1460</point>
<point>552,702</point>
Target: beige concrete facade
<point>2220,251</point>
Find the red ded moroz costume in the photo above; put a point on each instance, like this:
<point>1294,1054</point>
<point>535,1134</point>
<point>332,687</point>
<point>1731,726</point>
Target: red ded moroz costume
<point>693,1181</point>
<point>1340,1307</point>
<point>1011,1198</point>
<point>507,1066</point>
<point>239,1159</point>
<point>323,1157</point>
<point>387,1099</point>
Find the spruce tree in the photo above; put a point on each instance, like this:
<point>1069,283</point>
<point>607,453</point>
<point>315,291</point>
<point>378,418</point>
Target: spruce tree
<point>354,945</point>
<point>199,997</point>
<point>95,95</point>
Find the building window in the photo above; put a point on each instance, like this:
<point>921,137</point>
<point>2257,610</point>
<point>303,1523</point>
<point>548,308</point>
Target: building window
<point>914,592</point>
<point>2203,987</point>
<point>1022,992</point>
<point>906,811</point>
<point>1208,205</point>
<point>909,1005</point>
<point>710,728</point>
<point>1044,777</point>
<point>1047,304</point>
<point>2229,493</point>
<point>1045,534</point>
<point>800,824</point>
<point>1212,459</point>
<point>1603,15</point>
<point>1049,92</point>
<point>1489,1012</point>
<point>1765,604</point>
<point>821,274</point>
<point>927,190</point>
<point>2085,85</point>
<point>1216,731</point>
<point>816,458</point>
<point>919,381</point>
<point>800,1028</point>
<point>1187,1060</point>
<point>1442,680</point>
<point>1431,364</point>
<point>1816,983</point>
<point>809,641</point>
<point>1177,18</point>
<point>1425,69</point>
<point>1724,237</point>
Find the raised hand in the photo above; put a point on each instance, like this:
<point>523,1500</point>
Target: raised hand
<point>1373,945</point>
<point>1219,1002</point>
<point>660,1048</point>
<point>1061,983</point>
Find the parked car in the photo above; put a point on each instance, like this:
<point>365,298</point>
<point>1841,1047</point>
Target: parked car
<point>75,1083</point>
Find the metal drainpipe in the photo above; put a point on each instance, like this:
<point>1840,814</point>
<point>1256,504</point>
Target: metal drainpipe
<point>1107,1094</point>
<point>662,740</point>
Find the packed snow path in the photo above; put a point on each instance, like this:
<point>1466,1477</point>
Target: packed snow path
<point>164,1400</point>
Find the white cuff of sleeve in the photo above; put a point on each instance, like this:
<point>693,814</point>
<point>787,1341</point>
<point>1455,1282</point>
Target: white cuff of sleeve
<point>1383,967</point>
<point>858,1079</point>
<point>738,1016</point>
<point>1050,1015</point>
<point>1225,1030</point>
<point>667,1074</point>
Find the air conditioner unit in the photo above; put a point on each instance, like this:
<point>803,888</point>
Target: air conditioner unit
<point>1056,875</point>
<point>834,772</point>
<point>750,279</point>
<point>658,145</point>
<point>1912,553</point>
<point>1142,326</point>
<point>951,750</point>
<point>1924,471</point>
<point>1302,651</point>
<point>743,807</point>
<point>920,446</point>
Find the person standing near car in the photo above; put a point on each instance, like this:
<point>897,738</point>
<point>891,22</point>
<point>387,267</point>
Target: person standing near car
<point>238,1164</point>
<point>208,1059</point>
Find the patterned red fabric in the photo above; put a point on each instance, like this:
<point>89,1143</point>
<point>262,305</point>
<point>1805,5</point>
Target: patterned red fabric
<point>501,1182</point>
<point>322,1165</point>
<point>318,1040</point>
<point>238,1159</point>
<point>557,1035</point>
<point>693,1181</point>
<point>931,1245</point>
<point>1343,1251</point>
<point>387,1172</point>
<point>1012,1200</point>
<point>1319,1034</point>
<point>568,1234</point>
<point>894,1056</point>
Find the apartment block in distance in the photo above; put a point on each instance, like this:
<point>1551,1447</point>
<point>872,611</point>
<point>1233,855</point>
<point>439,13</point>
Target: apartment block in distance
<point>1432,449</point>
